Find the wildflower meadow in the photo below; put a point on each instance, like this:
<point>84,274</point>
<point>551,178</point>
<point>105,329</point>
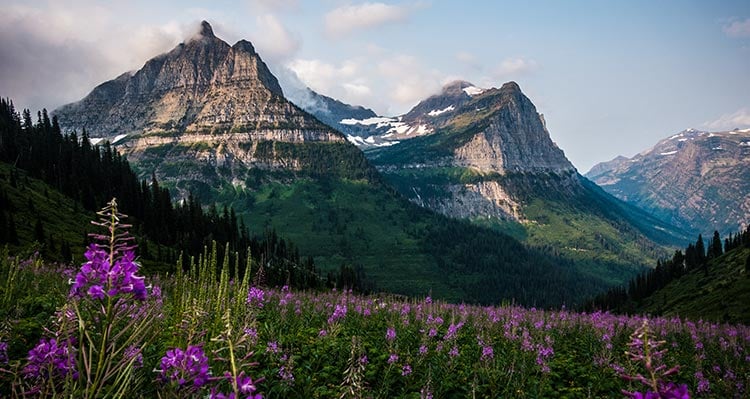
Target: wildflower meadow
<point>103,329</point>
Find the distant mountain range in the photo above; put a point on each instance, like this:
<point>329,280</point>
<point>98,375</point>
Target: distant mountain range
<point>694,179</point>
<point>210,119</point>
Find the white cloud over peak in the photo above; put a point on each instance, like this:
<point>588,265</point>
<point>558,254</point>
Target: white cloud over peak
<point>275,5</point>
<point>738,28</point>
<point>349,18</point>
<point>273,40</point>
<point>514,67</point>
<point>739,119</point>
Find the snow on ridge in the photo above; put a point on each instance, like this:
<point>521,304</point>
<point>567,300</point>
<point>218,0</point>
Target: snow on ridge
<point>745,144</point>
<point>95,140</point>
<point>717,148</point>
<point>369,121</point>
<point>355,139</point>
<point>473,90</point>
<point>676,136</point>
<point>668,153</point>
<point>370,139</point>
<point>435,112</point>
<point>118,138</point>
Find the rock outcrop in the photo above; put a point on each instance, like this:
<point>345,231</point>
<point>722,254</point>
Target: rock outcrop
<point>694,179</point>
<point>202,86</point>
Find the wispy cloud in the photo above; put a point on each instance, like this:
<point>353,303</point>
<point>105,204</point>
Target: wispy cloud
<point>738,119</point>
<point>350,18</point>
<point>273,40</point>
<point>511,67</point>
<point>275,5</point>
<point>737,28</point>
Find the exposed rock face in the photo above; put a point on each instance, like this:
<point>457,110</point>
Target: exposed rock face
<point>202,85</point>
<point>203,101</point>
<point>694,179</point>
<point>486,199</point>
<point>492,133</point>
<point>514,138</point>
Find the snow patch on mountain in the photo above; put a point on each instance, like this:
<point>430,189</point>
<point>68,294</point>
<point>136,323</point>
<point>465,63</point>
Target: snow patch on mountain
<point>473,90</point>
<point>435,112</point>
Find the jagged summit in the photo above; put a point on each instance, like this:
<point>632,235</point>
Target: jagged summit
<point>203,84</point>
<point>206,30</point>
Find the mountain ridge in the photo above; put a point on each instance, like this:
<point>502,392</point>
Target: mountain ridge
<point>694,179</point>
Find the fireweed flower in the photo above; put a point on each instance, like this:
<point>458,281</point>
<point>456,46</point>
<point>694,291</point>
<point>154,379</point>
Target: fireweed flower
<point>3,352</point>
<point>51,359</point>
<point>188,367</point>
<point>98,279</point>
<point>487,353</point>
<point>406,370</point>
<point>393,358</point>
<point>256,297</point>
<point>338,314</point>
<point>390,334</point>
<point>133,353</point>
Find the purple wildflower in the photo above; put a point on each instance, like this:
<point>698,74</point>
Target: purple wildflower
<point>3,352</point>
<point>256,296</point>
<point>453,352</point>
<point>390,334</point>
<point>487,353</point>
<point>393,358</point>
<point>51,359</point>
<point>272,347</point>
<point>338,313</point>
<point>98,279</point>
<point>133,353</point>
<point>423,350</point>
<point>185,367</point>
<point>406,370</point>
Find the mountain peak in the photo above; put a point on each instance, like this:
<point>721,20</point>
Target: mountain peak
<point>511,87</point>
<point>206,30</point>
<point>456,86</point>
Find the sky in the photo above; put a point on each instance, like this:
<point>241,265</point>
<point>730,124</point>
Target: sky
<point>611,77</point>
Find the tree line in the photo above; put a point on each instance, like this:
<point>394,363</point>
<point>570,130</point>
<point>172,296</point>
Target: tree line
<point>696,257</point>
<point>94,174</point>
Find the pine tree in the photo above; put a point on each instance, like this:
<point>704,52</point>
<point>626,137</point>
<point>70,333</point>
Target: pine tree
<point>39,235</point>
<point>714,248</point>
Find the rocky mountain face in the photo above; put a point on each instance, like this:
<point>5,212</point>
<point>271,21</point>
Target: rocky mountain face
<point>694,179</point>
<point>369,130</point>
<point>490,159</point>
<point>210,120</point>
<point>203,101</point>
<point>493,134</point>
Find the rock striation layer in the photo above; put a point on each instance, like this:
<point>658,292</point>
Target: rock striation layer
<point>694,179</point>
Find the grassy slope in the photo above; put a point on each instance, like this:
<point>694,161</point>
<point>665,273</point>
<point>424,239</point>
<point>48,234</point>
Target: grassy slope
<point>722,296</point>
<point>61,217</point>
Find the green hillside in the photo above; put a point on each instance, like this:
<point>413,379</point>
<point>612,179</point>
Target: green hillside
<point>723,295</point>
<point>28,203</point>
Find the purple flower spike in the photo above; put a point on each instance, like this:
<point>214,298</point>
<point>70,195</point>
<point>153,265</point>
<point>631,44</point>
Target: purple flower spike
<point>188,367</point>
<point>51,359</point>
<point>98,279</point>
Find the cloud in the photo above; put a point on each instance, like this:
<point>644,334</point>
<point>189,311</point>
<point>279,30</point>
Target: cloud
<point>49,56</point>
<point>737,28</point>
<point>275,5</point>
<point>738,119</point>
<point>514,67</point>
<point>347,19</point>
<point>408,80</point>
<point>273,40</point>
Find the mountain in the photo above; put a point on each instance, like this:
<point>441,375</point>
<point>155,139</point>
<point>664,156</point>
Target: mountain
<point>209,119</point>
<point>697,180</point>
<point>712,285</point>
<point>371,131</point>
<point>491,160</point>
